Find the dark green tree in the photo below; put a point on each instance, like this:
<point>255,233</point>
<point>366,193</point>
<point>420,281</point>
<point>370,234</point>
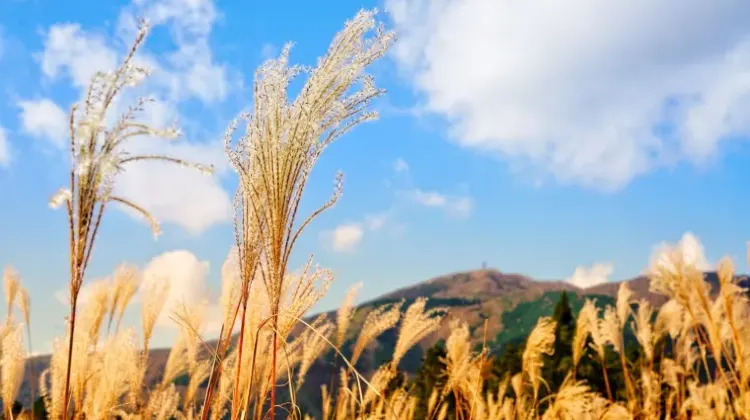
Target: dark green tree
<point>558,364</point>
<point>506,364</point>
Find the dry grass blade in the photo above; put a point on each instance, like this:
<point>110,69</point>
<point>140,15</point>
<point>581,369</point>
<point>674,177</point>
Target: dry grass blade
<point>12,362</point>
<point>11,285</point>
<point>539,343</point>
<point>417,323</point>
<point>283,140</point>
<point>98,155</point>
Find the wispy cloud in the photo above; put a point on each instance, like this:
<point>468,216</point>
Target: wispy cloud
<point>346,237</point>
<point>45,120</point>
<point>400,166</point>
<point>457,206</point>
<point>454,205</point>
<point>376,221</point>
<point>70,51</point>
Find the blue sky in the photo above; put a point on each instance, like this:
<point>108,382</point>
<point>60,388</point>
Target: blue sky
<point>538,140</point>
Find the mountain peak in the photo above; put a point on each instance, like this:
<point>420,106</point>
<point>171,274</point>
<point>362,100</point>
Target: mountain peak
<point>477,284</point>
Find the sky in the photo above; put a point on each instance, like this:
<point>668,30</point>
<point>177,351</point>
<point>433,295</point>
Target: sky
<point>562,141</point>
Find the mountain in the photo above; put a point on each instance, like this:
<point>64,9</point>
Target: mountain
<point>510,304</point>
<point>479,295</point>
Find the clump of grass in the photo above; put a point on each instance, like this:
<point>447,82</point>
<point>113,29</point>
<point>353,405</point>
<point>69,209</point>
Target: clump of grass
<point>282,142</point>
<point>11,366</point>
<point>98,155</point>
<point>12,354</point>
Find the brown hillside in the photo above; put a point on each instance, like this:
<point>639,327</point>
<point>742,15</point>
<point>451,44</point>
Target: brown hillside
<point>478,284</point>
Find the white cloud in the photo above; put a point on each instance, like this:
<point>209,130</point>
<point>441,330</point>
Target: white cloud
<point>192,70</point>
<point>4,148</point>
<point>581,90</point>
<point>345,237</point>
<point>400,165</point>
<point>186,72</point>
<point>198,75</point>
<point>173,194</point>
<point>187,278</point>
<point>189,19</point>
<point>78,54</point>
<point>689,247</point>
<point>430,198</point>
<point>584,277</point>
<point>44,119</point>
<point>455,206</point>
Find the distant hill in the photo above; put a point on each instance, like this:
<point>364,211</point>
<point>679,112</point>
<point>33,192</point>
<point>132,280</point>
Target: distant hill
<point>510,304</point>
<point>493,295</point>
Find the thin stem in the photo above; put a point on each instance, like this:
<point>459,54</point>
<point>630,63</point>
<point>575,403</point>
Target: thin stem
<point>273,372</point>
<point>239,360</point>
<point>606,379</point>
<point>215,372</point>
<point>31,369</point>
<point>66,395</point>
<point>626,374</point>
<point>335,367</point>
<point>246,400</point>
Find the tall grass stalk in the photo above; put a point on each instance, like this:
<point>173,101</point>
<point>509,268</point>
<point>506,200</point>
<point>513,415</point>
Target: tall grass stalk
<point>283,141</point>
<point>97,157</point>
